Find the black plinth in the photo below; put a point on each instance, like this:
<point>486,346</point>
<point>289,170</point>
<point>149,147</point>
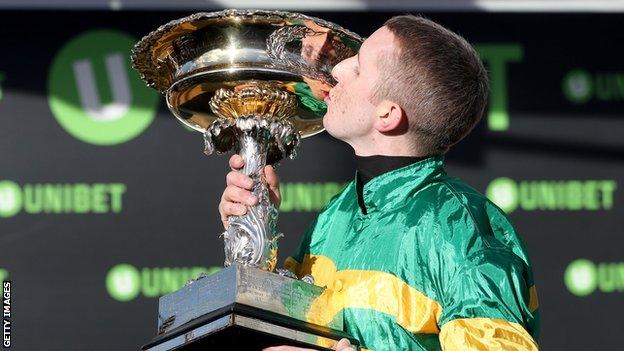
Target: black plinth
<point>244,309</point>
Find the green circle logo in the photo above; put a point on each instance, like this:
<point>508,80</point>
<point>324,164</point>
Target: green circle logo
<point>10,198</point>
<point>504,193</point>
<point>580,277</point>
<point>123,282</point>
<point>94,93</point>
<point>577,86</point>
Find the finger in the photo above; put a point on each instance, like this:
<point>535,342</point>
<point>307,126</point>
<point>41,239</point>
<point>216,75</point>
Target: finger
<point>236,162</point>
<point>235,194</point>
<point>239,179</point>
<point>227,209</point>
<point>271,177</point>
<point>273,184</point>
<point>343,345</point>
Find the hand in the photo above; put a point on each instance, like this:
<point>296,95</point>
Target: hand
<point>237,194</point>
<point>342,345</point>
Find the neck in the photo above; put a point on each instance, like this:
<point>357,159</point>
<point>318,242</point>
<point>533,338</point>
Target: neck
<point>380,144</point>
<point>369,167</point>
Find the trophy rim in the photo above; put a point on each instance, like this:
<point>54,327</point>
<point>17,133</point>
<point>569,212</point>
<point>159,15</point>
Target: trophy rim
<point>143,60</point>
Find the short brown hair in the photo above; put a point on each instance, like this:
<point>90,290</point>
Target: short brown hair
<point>438,80</point>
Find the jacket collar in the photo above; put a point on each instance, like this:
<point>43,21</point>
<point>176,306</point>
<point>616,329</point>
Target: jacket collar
<point>393,187</point>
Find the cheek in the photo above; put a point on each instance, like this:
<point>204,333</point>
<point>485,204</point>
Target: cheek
<point>343,102</point>
<point>348,102</point>
<point>334,119</point>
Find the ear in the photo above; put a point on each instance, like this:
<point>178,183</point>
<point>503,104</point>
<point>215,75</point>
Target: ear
<point>390,117</point>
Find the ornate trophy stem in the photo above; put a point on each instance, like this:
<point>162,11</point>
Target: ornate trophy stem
<point>251,239</point>
<point>253,119</point>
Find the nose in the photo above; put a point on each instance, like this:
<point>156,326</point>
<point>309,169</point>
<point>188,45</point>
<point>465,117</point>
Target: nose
<point>341,71</point>
<point>337,70</point>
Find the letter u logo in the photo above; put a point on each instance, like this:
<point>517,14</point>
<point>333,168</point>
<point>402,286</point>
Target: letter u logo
<point>94,94</point>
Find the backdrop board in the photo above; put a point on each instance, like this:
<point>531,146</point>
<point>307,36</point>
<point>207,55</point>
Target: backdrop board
<point>107,202</point>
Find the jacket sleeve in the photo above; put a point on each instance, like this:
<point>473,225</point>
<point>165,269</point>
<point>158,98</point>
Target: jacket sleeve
<point>488,305</point>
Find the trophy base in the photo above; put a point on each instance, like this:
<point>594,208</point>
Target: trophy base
<point>245,309</point>
<point>240,332</point>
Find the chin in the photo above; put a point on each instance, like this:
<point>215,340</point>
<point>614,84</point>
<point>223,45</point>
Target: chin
<point>328,129</point>
<point>334,134</point>
<point>329,123</point>
<point>326,124</point>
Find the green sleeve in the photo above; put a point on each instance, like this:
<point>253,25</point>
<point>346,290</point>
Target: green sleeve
<point>491,283</point>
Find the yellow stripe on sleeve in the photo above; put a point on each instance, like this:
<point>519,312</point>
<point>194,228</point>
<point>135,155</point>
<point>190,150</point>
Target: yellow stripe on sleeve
<point>485,334</point>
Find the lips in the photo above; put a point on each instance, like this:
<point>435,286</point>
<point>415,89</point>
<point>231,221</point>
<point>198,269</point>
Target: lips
<point>327,97</point>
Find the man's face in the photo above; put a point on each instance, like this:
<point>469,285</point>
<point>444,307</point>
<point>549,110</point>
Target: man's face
<point>350,107</point>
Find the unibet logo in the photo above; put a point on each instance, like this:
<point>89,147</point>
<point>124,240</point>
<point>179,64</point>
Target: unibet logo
<point>10,198</point>
<point>125,282</point>
<point>582,277</point>
<point>95,94</point>
<point>77,198</point>
<point>307,197</point>
<point>577,86</point>
<point>504,193</point>
<point>580,86</point>
<point>544,195</point>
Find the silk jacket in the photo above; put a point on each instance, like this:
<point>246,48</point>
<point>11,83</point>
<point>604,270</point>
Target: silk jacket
<point>431,265</point>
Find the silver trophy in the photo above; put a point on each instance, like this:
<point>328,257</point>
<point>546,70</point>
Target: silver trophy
<point>253,82</point>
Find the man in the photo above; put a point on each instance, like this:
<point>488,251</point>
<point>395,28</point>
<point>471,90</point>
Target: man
<point>415,259</point>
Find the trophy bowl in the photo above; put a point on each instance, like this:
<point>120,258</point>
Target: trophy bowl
<point>190,59</point>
